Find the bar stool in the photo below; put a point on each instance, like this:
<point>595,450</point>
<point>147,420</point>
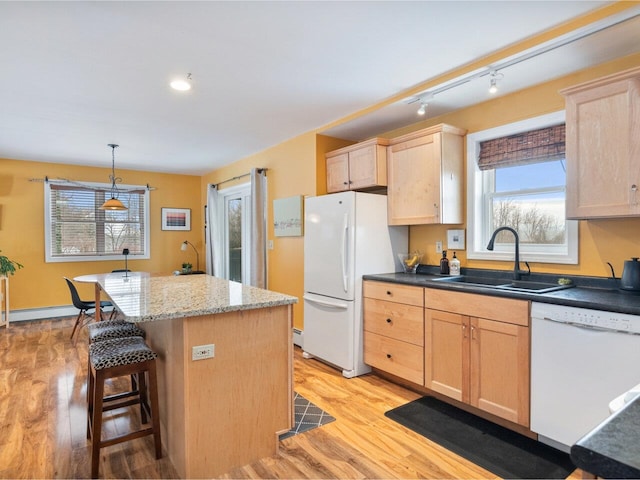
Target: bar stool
<point>110,329</point>
<point>115,358</point>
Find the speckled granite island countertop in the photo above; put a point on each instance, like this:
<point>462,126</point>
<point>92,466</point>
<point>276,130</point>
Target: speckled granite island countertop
<point>144,298</point>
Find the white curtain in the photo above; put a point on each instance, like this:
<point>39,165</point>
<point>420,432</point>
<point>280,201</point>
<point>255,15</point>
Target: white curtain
<point>258,275</point>
<point>213,240</point>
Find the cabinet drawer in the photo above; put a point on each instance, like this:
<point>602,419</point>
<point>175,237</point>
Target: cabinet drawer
<point>507,310</point>
<point>398,358</point>
<point>394,320</point>
<point>392,292</point>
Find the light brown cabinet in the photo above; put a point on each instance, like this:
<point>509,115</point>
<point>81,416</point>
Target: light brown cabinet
<point>603,147</point>
<point>425,184</point>
<point>358,167</point>
<point>477,351</point>
<point>394,329</point>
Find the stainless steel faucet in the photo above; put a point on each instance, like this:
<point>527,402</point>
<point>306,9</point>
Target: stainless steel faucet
<point>517,273</point>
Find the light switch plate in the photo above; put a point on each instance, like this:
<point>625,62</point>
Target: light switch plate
<point>455,239</point>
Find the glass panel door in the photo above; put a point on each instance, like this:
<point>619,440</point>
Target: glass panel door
<point>236,232</point>
<point>234,246</point>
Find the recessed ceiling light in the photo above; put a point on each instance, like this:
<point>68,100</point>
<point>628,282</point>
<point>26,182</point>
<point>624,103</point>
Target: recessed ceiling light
<point>181,84</point>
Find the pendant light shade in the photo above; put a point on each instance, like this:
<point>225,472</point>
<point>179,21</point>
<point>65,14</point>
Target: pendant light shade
<point>113,203</point>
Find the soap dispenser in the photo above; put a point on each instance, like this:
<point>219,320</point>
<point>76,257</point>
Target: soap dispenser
<point>455,265</point>
<point>444,263</point>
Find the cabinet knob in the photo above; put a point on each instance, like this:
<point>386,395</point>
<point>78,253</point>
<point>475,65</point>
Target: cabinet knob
<point>345,183</point>
<point>388,292</point>
<point>388,355</point>
<point>388,320</point>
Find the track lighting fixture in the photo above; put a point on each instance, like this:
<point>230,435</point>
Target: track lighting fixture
<point>493,82</point>
<point>423,109</point>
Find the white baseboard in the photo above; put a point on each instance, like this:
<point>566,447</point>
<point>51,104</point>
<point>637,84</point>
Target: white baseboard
<point>42,313</point>
<point>298,337</point>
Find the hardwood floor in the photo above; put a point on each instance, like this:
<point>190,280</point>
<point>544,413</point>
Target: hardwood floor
<point>43,421</point>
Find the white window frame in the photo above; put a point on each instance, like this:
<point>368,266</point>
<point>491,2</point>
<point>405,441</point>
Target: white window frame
<point>478,210</point>
<point>49,258</point>
<point>243,191</point>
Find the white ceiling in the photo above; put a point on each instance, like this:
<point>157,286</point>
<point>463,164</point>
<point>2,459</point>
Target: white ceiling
<point>76,76</point>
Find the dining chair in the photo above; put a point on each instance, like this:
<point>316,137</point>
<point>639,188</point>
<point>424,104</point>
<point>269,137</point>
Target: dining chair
<point>84,306</point>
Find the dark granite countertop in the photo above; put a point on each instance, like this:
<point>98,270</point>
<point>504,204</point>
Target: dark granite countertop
<point>612,449</point>
<point>596,293</point>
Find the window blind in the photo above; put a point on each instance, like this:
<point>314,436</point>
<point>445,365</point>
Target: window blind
<point>79,228</point>
<point>542,145</point>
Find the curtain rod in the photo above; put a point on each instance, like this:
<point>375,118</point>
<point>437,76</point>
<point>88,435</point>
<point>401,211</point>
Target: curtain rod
<point>46,179</point>
<point>237,177</point>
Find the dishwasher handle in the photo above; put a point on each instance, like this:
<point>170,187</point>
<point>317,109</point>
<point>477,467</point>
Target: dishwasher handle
<point>594,328</point>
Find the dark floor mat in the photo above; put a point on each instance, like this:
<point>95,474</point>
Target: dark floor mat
<point>495,448</point>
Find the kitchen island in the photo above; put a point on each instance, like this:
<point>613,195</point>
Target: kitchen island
<point>224,365</point>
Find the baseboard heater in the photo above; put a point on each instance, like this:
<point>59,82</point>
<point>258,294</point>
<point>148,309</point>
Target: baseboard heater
<point>297,337</point>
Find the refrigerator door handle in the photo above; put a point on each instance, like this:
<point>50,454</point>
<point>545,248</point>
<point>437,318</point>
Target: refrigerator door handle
<point>344,250</point>
<point>340,305</point>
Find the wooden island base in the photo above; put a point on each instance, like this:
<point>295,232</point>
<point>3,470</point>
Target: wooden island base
<point>227,411</point>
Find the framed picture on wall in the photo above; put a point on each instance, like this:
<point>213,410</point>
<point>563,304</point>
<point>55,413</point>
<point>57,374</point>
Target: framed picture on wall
<point>287,216</point>
<point>176,219</point>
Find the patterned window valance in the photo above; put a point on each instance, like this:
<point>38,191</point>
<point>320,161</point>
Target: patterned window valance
<point>542,145</point>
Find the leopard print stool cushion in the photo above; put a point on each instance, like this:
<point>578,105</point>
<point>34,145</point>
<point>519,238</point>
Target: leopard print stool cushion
<point>108,329</point>
<point>119,351</point>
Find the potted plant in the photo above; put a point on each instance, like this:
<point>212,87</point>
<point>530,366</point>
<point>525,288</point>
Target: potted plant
<point>186,267</point>
<point>8,267</point>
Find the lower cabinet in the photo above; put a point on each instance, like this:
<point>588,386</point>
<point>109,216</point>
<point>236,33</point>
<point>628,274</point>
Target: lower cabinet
<point>472,348</point>
<point>394,329</point>
<point>479,352</point>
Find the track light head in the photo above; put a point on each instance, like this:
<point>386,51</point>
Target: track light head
<point>493,82</point>
<point>423,109</point>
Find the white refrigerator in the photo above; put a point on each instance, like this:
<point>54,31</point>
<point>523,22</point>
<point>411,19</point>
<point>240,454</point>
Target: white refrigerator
<point>346,236</point>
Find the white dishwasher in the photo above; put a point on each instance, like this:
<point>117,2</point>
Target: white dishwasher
<point>580,360</point>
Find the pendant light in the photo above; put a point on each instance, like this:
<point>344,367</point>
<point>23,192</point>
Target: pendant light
<point>113,203</point>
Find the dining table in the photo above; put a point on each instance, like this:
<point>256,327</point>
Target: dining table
<point>111,277</point>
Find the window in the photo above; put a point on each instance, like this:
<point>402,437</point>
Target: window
<point>524,190</point>
<point>235,203</point>
<point>77,230</point>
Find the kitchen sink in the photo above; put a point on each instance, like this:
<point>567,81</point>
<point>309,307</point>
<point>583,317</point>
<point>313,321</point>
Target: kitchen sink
<point>505,284</point>
<point>471,280</point>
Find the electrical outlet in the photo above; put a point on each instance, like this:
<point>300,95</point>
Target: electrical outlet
<point>201,352</point>
<point>438,247</point>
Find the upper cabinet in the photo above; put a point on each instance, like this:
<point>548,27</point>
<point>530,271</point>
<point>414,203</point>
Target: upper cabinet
<point>603,147</point>
<point>358,167</point>
<point>425,177</point>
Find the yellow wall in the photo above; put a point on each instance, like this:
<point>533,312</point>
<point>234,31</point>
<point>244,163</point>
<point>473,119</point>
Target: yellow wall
<point>40,284</point>
<point>601,241</point>
<point>295,167</point>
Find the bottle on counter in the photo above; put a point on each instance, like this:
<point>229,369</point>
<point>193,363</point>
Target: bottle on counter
<point>444,263</point>
<point>454,265</point>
